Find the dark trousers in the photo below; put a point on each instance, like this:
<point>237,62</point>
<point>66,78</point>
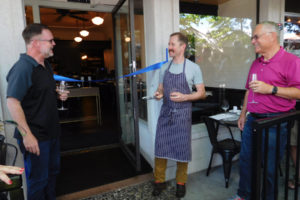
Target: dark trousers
<point>41,171</point>
<point>244,190</point>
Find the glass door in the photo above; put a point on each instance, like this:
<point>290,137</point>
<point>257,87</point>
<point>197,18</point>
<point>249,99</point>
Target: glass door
<point>125,59</point>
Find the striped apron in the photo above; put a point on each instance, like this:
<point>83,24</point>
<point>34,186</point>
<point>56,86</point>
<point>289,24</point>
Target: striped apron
<point>173,132</point>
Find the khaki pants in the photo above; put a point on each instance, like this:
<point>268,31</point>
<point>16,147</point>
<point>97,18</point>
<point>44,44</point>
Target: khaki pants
<point>160,170</point>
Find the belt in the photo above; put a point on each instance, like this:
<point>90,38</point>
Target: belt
<point>266,115</point>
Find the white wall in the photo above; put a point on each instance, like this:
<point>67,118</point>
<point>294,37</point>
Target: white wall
<point>272,10</point>
<point>161,18</point>
<point>12,24</point>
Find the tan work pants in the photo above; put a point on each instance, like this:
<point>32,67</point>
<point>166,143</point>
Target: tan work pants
<point>160,170</point>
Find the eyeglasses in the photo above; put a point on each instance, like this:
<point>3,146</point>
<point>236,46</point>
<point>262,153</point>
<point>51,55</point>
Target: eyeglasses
<point>51,40</point>
<point>256,37</point>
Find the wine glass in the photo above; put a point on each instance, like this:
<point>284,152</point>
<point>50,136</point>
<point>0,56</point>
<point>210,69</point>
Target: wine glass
<point>61,90</point>
<point>173,90</point>
<point>225,105</point>
<point>253,78</point>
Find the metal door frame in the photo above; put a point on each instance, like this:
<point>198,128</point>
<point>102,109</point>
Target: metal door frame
<point>135,159</point>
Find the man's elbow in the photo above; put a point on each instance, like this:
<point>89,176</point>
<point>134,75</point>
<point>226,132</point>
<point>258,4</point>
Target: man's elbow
<point>11,102</point>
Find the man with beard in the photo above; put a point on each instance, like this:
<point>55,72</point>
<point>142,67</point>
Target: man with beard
<point>31,100</point>
<point>173,134</point>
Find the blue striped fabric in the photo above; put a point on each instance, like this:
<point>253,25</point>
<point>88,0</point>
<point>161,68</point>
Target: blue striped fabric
<point>173,134</point>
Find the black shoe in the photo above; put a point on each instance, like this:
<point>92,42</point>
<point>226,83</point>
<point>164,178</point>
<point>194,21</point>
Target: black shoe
<point>158,188</point>
<point>180,190</point>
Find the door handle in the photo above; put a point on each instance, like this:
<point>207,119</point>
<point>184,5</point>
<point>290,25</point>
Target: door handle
<point>134,66</point>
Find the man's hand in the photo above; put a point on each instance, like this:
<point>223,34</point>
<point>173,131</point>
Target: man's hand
<point>31,144</point>
<point>177,97</point>
<point>261,87</point>
<point>241,121</point>
<point>62,95</point>
<point>158,95</point>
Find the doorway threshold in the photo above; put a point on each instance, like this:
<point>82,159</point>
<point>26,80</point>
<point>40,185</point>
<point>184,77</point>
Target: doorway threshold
<point>107,188</point>
<point>88,149</point>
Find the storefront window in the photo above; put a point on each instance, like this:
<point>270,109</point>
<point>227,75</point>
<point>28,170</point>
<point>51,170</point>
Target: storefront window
<point>221,46</point>
<point>292,33</point>
<point>219,42</point>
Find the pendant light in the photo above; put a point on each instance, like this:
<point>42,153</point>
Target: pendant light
<point>78,39</point>
<point>84,33</point>
<point>97,20</point>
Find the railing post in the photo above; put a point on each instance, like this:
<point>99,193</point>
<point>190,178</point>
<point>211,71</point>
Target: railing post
<point>297,162</point>
<point>256,162</point>
<point>258,127</point>
<point>287,162</point>
<point>277,159</point>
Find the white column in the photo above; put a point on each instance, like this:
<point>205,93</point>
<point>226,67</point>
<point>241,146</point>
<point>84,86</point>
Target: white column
<point>272,10</point>
<point>12,24</point>
<point>161,18</point>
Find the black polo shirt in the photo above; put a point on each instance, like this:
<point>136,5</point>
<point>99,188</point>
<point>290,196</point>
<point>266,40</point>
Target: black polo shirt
<point>33,85</point>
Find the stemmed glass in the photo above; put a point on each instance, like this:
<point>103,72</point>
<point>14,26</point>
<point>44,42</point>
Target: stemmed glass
<point>61,90</point>
<point>225,105</point>
<point>253,78</point>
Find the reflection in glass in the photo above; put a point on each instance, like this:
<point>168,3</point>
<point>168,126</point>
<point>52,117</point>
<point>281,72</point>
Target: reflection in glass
<point>292,34</point>
<point>221,46</point>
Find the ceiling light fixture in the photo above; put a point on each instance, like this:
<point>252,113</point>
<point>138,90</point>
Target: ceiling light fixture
<point>78,39</point>
<point>127,39</point>
<point>84,33</point>
<point>84,57</point>
<point>98,20</point>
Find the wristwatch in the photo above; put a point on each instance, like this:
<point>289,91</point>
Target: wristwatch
<point>274,90</point>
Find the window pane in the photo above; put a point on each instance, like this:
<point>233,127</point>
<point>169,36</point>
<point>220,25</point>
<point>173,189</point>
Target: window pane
<point>292,34</point>
<point>221,46</point>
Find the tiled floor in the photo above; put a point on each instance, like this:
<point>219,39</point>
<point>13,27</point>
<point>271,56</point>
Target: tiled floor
<point>212,187</point>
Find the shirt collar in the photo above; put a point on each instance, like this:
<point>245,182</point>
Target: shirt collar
<point>29,59</point>
<point>276,57</point>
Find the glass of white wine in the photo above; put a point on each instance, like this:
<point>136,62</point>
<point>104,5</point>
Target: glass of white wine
<point>61,89</point>
<point>253,78</point>
<point>225,105</point>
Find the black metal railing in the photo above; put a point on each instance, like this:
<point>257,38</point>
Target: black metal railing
<point>259,181</point>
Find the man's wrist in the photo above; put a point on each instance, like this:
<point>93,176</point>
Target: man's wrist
<point>274,90</point>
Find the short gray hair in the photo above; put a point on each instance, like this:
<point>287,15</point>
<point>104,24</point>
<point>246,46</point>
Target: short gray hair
<point>271,27</point>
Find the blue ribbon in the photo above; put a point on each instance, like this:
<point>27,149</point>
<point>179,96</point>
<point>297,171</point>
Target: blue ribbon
<point>63,78</point>
<point>146,69</point>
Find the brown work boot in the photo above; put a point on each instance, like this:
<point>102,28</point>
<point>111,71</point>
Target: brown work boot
<point>180,190</point>
<point>158,188</point>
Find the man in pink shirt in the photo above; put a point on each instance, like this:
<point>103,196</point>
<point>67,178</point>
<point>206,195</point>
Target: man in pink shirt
<point>272,86</point>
